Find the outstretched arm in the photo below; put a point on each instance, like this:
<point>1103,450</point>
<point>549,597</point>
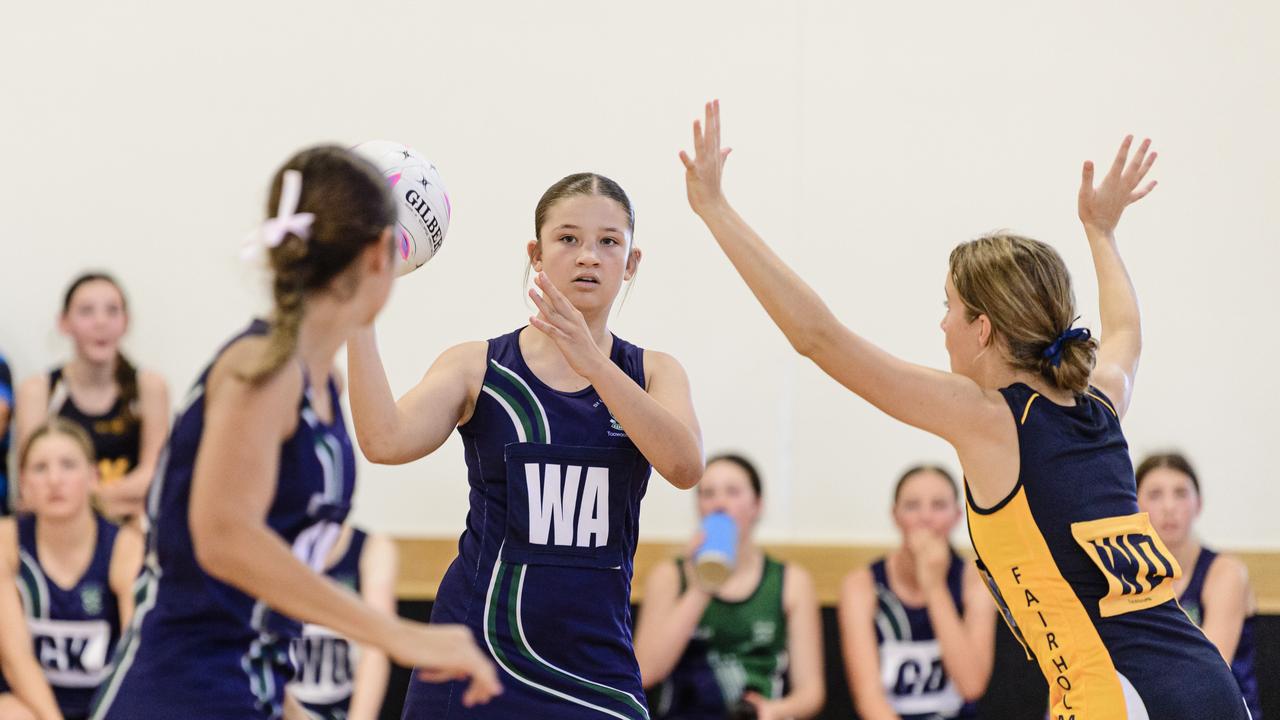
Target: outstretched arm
<point>393,432</point>
<point>1100,209</point>
<point>946,404</point>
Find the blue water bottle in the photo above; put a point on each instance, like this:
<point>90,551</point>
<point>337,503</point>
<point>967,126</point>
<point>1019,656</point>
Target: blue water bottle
<point>715,559</point>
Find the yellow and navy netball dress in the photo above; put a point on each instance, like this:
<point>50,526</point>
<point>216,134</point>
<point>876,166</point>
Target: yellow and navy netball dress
<point>543,573</point>
<point>325,661</point>
<point>74,629</point>
<point>197,647</point>
<point>1085,582</point>
<point>116,434</point>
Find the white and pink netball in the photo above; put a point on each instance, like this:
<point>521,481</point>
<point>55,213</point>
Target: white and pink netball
<point>421,200</point>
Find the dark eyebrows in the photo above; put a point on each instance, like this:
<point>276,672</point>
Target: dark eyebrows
<point>567,226</point>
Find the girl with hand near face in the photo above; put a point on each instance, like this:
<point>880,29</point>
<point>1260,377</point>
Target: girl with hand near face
<point>561,421</point>
<point>124,410</point>
<point>757,639</point>
<point>918,626</point>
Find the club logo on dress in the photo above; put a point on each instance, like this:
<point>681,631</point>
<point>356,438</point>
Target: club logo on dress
<point>91,599</point>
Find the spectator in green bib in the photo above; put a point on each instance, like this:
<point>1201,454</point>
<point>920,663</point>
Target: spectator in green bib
<point>752,647</point>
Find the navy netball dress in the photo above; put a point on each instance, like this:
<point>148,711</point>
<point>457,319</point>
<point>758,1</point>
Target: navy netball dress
<point>911,671</point>
<point>74,629</point>
<point>543,573</point>
<point>1242,665</point>
<point>198,647</point>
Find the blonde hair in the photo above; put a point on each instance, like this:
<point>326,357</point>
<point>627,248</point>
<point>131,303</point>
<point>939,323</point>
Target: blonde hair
<point>1024,289</point>
<point>58,426</point>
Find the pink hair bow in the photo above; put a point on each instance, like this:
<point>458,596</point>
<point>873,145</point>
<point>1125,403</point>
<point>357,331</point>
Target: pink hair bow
<point>273,230</point>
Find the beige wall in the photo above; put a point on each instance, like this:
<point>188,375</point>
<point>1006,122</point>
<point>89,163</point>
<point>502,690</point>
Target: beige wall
<point>869,138</point>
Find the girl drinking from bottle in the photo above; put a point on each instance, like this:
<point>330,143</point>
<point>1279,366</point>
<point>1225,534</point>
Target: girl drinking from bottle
<point>754,643</point>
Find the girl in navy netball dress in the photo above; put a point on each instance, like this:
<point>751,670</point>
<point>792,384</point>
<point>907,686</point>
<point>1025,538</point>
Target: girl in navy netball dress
<point>1032,407</point>
<point>74,573</point>
<point>258,474</point>
<point>1214,589</point>
<point>917,625</point>
<point>337,679</point>
<point>561,421</point>
<point>124,410</point>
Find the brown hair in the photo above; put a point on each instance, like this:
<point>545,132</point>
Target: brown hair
<point>1024,289</point>
<point>916,470</point>
<point>748,467</point>
<point>57,426</point>
<point>1171,460</point>
<point>126,375</point>
<point>352,205</point>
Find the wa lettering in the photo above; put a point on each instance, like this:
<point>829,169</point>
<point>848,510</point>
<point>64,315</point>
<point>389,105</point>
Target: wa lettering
<point>568,505</point>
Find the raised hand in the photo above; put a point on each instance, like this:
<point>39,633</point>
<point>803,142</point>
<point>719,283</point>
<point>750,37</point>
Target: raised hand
<point>702,173</point>
<point>559,320</point>
<point>1100,207</point>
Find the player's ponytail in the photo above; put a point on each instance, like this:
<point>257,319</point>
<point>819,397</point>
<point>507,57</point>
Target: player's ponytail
<point>325,206</point>
<point>1024,289</point>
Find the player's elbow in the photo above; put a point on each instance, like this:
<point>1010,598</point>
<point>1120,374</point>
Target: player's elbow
<point>972,686</point>
<point>685,474</point>
<point>810,697</point>
<point>652,671</point>
<point>815,335</point>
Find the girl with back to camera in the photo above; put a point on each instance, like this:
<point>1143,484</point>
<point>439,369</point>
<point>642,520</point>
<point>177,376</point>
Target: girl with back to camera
<point>1214,588</point>
<point>258,475</point>
<point>1032,407</point>
<point>74,573</point>
<point>124,410</point>
<point>918,626</point>
<point>753,647</point>
<point>561,422</point>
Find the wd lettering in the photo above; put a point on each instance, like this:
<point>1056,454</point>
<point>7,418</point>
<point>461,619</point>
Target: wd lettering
<point>1138,567</point>
<point>324,664</point>
<point>553,498</point>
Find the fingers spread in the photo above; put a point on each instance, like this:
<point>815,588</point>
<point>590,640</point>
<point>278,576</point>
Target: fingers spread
<point>1117,166</point>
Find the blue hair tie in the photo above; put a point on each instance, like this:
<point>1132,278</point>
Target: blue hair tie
<point>1054,351</point>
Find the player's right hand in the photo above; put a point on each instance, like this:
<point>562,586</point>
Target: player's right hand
<point>441,653</point>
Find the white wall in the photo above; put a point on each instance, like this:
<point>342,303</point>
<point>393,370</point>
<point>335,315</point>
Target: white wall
<point>869,138</point>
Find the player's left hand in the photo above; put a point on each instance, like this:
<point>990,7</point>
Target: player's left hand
<point>559,320</point>
<point>1100,207</point>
